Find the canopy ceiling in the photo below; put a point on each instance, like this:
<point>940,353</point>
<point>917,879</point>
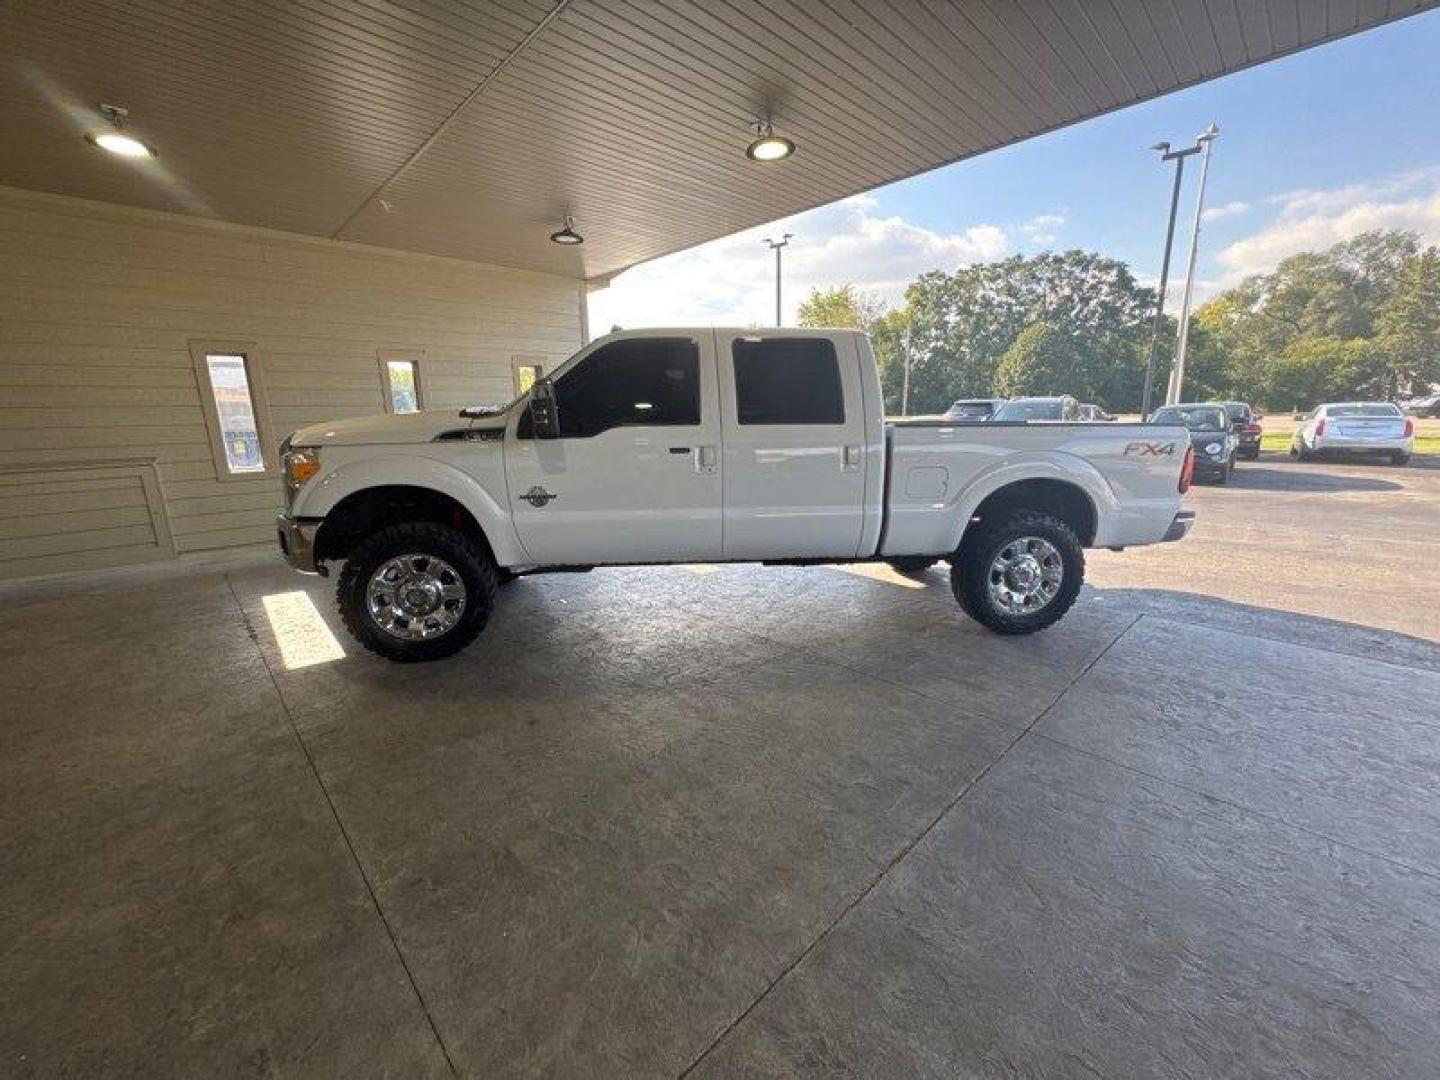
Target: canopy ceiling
<point>470,127</point>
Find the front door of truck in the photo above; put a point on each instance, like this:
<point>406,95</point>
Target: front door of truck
<point>635,473</point>
<point>796,459</point>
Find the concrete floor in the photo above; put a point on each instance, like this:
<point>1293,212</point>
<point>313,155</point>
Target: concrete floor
<point>716,822</point>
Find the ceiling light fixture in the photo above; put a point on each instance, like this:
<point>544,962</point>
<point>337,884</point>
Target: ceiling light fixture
<point>567,235</point>
<point>116,141</point>
<point>767,146</point>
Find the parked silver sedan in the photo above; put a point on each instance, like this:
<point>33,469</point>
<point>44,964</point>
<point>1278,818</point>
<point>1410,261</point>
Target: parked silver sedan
<point>1377,428</point>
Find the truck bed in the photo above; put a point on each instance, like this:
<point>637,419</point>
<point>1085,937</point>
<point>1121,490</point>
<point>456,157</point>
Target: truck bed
<point>1129,472</point>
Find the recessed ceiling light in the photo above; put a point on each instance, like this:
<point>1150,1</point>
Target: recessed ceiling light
<point>767,146</point>
<point>116,141</point>
<point>567,235</point>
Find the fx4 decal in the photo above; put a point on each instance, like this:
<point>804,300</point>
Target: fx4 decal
<point>1150,449</point>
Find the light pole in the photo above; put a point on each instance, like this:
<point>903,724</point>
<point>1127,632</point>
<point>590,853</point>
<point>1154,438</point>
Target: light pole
<point>905,380</point>
<point>1206,140</point>
<point>776,246</point>
<point>1177,156</point>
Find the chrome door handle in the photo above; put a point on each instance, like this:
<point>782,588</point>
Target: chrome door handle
<point>705,460</point>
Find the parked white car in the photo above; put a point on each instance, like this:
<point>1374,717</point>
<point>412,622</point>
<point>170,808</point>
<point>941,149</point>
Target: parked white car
<point>1376,428</point>
<point>702,445</point>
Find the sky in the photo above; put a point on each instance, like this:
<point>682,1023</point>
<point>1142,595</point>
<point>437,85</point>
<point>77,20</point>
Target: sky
<point>1313,149</point>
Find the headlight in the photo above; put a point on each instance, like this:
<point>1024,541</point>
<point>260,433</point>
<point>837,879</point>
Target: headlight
<point>1213,448</point>
<point>299,463</point>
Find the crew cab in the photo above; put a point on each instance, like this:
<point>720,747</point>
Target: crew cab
<point>706,445</point>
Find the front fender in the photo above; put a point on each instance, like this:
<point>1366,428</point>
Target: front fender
<point>323,493</point>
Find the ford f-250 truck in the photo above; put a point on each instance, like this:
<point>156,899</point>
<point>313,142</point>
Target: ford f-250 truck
<point>706,445</point>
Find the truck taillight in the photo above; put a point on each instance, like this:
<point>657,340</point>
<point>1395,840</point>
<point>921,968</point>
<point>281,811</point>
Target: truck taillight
<point>1320,426</point>
<point>1409,427</point>
<point>1187,470</point>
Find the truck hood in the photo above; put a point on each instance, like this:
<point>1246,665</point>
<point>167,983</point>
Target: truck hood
<point>421,427</point>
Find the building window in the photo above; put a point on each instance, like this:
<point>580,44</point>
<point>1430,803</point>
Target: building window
<point>526,370</point>
<point>400,378</point>
<point>788,380</point>
<point>235,410</point>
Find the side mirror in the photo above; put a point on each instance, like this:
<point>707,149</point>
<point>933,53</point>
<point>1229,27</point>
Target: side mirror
<point>543,412</point>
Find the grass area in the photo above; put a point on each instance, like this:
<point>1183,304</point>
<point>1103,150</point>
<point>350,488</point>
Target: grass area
<point>1280,442</point>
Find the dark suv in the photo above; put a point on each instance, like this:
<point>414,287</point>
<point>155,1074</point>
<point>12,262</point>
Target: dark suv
<point>1246,421</point>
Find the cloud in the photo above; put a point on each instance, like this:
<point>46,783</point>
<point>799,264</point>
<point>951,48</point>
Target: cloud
<point>1311,220</point>
<point>732,281</point>
<point>1230,209</point>
<point>1042,228</point>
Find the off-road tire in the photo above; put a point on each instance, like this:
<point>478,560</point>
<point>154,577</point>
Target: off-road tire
<point>912,564</point>
<point>1304,454</point>
<point>1252,455</point>
<point>969,570</point>
<point>465,553</point>
<point>1399,459</point>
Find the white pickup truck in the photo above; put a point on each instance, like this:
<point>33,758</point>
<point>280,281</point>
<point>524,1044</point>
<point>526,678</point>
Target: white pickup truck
<point>708,445</point>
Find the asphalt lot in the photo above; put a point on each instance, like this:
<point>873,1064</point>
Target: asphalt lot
<point>1353,542</point>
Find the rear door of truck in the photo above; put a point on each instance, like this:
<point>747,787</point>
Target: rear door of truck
<point>802,445</point>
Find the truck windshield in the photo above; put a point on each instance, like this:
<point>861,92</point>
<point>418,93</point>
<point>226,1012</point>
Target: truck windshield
<point>1200,418</point>
<point>1031,410</point>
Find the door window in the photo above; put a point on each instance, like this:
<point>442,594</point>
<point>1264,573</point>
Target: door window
<point>639,382</point>
<point>789,380</point>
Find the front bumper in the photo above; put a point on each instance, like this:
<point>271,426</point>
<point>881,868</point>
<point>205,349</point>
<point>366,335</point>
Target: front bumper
<point>296,537</point>
<point>1182,524</point>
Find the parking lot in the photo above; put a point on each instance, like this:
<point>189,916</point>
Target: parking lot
<point>733,821</point>
<point>1354,542</point>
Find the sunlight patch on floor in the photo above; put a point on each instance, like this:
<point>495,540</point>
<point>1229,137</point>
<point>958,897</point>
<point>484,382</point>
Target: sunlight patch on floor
<point>881,572</point>
<point>304,638</point>
<point>700,569</point>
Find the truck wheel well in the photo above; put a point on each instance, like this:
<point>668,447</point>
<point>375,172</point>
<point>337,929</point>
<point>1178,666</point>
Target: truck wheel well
<point>365,512</point>
<point>1066,501</point>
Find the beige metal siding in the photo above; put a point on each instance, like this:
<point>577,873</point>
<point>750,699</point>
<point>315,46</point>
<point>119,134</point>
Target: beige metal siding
<point>81,516</point>
<point>99,306</point>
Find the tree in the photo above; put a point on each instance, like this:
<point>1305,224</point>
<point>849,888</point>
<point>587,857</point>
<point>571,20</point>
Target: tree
<point>963,323</point>
<point>844,305</point>
<point>1042,357</point>
<point>1408,327</point>
<point>1358,320</point>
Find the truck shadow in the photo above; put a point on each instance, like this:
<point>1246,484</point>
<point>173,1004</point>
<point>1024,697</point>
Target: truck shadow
<point>1295,628</point>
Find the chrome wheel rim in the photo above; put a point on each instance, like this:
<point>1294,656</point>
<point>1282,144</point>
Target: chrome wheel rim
<point>1026,575</point>
<point>415,597</point>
